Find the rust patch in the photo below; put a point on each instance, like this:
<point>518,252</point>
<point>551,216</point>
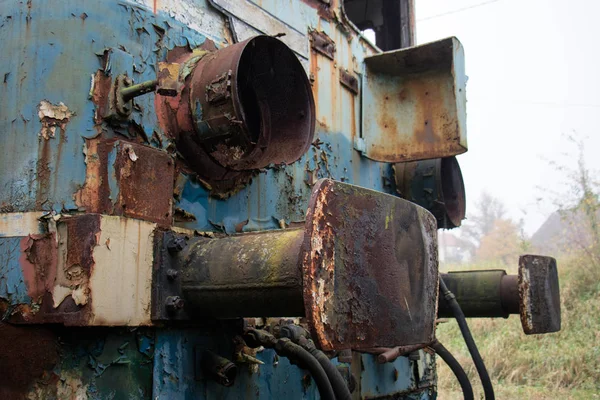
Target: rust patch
<point>57,275</point>
<point>370,269</point>
<point>145,179</point>
<point>324,9</point>
<point>38,261</point>
<point>321,43</point>
<point>414,110</point>
<point>94,196</point>
<point>349,81</point>
<point>28,352</point>
<point>43,175</point>
<point>100,92</point>
<point>143,176</point>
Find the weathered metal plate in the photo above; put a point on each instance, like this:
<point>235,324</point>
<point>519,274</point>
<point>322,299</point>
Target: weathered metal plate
<point>145,178</point>
<point>89,270</point>
<point>130,179</point>
<point>414,103</point>
<point>255,16</point>
<point>370,269</point>
<point>539,293</point>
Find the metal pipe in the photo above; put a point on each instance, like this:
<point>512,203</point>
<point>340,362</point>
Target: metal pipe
<point>130,92</point>
<point>218,368</point>
<point>481,294</point>
<point>249,275</point>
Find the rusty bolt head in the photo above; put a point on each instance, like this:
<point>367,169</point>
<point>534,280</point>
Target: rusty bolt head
<point>175,244</point>
<point>172,274</point>
<point>174,303</point>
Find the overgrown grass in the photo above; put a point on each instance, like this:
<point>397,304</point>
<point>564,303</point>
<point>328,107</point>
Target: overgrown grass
<point>563,365</point>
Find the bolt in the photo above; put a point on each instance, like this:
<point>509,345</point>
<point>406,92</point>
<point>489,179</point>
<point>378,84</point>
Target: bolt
<point>175,244</point>
<point>172,274</point>
<point>174,303</point>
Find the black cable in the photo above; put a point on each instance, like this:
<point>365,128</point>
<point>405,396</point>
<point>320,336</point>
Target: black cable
<point>285,347</point>
<point>488,389</point>
<point>338,383</point>
<point>456,368</point>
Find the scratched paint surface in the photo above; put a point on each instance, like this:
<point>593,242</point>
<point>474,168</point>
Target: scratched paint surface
<point>55,49</point>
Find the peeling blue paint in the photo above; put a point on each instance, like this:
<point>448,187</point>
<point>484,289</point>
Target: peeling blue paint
<point>12,283</point>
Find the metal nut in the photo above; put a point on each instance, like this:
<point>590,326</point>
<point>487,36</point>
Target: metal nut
<point>174,303</point>
<point>172,274</point>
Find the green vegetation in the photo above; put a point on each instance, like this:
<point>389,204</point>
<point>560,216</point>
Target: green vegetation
<point>563,365</point>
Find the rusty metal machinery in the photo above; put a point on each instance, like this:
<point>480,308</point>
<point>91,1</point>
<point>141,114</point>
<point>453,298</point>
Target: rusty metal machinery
<point>198,202</point>
<point>347,276</point>
<point>240,108</point>
<point>436,185</point>
<point>533,294</point>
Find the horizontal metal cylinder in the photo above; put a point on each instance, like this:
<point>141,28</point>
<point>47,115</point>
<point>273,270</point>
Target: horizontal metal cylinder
<point>250,275</point>
<point>481,294</point>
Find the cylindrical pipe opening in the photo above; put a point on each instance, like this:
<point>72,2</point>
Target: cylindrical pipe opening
<point>252,104</point>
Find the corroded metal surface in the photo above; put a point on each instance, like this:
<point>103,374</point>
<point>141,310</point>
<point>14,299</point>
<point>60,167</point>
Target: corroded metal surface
<point>479,294</point>
<point>320,42</point>
<point>370,269</point>
<point>255,274</point>
<point>128,179</point>
<point>63,276</point>
<point>539,293</point>
<point>241,108</point>
<point>71,54</point>
<point>48,363</point>
<point>414,103</point>
<point>255,97</point>
<point>144,178</point>
<point>436,185</point>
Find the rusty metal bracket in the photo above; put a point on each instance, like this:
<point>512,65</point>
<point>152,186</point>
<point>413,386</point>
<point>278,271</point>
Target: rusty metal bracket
<point>120,107</point>
<point>168,81</point>
<point>349,81</point>
<point>321,43</point>
<point>167,301</point>
<point>414,103</point>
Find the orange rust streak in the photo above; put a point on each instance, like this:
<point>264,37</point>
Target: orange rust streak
<point>38,262</point>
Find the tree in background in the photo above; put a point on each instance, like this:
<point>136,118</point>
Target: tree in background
<point>481,222</point>
<point>492,235</point>
<point>501,243</point>
<point>575,227</point>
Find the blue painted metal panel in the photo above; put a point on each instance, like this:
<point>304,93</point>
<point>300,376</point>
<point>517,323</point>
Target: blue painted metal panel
<point>55,48</point>
<point>12,283</point>
<point>175,376</point>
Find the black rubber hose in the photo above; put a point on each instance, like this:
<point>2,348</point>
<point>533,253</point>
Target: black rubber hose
<point>488,389</point>
<point>456,368</point>
<point>295,352</point>
<point>285,347</point>
<point>338,383</point>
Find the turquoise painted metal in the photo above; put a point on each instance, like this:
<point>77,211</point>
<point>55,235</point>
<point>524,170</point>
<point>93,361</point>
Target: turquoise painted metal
<point>62,159</point>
